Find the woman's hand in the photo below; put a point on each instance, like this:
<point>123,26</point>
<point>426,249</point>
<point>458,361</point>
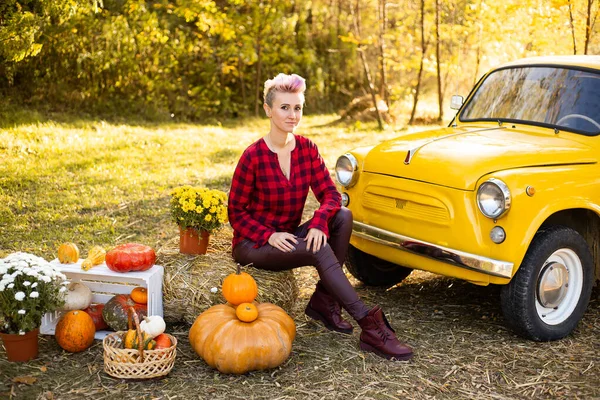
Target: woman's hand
<point>315,238</point>
<point>283,241</point>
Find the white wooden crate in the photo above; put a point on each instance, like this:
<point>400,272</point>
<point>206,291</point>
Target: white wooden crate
<point>104,284</point>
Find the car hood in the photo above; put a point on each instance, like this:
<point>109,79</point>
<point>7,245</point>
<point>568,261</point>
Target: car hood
<point>458,157</point>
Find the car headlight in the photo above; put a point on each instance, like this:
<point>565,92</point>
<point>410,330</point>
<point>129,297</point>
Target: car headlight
<point>493,198</point>
<point>346,170</point>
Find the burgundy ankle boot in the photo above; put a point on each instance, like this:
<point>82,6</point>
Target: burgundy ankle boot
<point>323,307</point>
<point>377,336</point>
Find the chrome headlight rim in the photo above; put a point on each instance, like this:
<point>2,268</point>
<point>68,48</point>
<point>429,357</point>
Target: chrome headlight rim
<point>505,193</point>
<point>354,165</point>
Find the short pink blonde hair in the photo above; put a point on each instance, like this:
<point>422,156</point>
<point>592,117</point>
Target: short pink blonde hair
<point>283,83</point>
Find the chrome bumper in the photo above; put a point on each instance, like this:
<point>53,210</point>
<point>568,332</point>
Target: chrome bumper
<point>439,253</point>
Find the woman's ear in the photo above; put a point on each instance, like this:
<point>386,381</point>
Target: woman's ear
<point>267,109</point>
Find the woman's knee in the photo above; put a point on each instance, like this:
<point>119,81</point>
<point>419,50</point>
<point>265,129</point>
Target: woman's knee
<point>344,215</point>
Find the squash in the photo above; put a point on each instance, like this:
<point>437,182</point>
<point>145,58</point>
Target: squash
<point>234,346</point>
<point>115,311</point>
<point>78,297</point>
<point>153,325</point>
<point>131,340</point>
<point>68,253</point>
<point>130,257</point>
<point>95,311</point>
<point>75,331</point>
<point>162,341</point>
<point>239,287</point>
<point>95,256</point>
<point>140,295</point>
<point>246,312</point>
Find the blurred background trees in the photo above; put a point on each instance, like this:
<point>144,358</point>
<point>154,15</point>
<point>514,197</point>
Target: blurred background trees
<point>195,59</point>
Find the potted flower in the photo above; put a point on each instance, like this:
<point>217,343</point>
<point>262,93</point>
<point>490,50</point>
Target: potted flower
<point>199,212</point>
<point>29,287</point>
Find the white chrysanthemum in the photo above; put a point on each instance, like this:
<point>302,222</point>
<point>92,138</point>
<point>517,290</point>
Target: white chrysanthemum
<point>2,286</point>
<point>19,296</point>
<point>26,283</point>
<point>62,289</point>
<point>34,285</point>
<point>11,285</point>
<point>46,279</point>
<point>34,295</point>
<point>22,312</point>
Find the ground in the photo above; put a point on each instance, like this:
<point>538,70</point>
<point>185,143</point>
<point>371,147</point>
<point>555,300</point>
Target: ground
<point>96,182</point>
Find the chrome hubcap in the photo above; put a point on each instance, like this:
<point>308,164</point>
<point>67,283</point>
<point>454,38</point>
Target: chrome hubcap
<point>553,284</point>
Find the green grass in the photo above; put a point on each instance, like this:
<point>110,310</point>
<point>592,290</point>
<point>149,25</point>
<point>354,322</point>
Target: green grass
<point>94,182</point>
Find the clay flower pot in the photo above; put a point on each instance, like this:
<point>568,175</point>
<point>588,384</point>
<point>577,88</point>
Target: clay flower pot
<point>192,241</point>
<point>21,347</point>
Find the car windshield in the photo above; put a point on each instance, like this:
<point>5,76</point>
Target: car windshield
<point>561,98</point>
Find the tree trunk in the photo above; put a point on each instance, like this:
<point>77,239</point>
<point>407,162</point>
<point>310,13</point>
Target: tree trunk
<point>383,89</point>
<point>424,48</point>
<point>257,82</point>
<point>437,59</point>
<point>363,58</point>
<point>588,26</point>
<point>572,26</point>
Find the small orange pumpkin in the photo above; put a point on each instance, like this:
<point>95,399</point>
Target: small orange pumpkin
<point>162,341</point>
<point>239,287</point>
<point>68,253</point>
<point>140,295</point>
<point>75,331</point>
<point>246,312</point>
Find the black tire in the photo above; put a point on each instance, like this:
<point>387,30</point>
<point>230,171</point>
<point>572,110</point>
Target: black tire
<point>372,270</point>
<point>519,297</point>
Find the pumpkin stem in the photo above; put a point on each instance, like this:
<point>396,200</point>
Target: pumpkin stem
<point>238,272</point>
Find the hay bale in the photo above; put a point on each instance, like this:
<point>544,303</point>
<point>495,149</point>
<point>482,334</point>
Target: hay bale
<point>189,279</point>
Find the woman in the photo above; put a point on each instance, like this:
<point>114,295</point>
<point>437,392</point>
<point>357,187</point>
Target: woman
<point>268,192</point>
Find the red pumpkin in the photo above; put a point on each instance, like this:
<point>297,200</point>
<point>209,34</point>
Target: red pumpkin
<point>162,341</point>
<point>95,311</point>
<point>130,257</point>
<point>116,311</point>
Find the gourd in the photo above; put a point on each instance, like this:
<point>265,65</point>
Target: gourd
<point>95,311</point>
<point>68,253</point>
<point>234,346</point>
<point>239,287</point>
<point>95,256</point>
<point>130,257</point>
<point>78,297</point>
<point>153,325</point>
<point>140,295</point>
<point>131,340</point>
<point>75,331</point>
<point>115,311</point>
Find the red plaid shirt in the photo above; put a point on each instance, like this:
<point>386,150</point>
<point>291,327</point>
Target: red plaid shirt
<point>263,201</point>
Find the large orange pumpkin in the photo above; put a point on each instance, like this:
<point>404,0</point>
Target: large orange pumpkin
<point>239,287</point>
<point>233,346</point>
<point>75,331</point>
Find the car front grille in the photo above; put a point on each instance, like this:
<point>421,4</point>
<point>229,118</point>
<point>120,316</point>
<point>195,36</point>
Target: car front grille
<point>408,205</point>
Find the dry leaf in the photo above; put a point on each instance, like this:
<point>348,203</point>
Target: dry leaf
<point>43,368</point>
<point>29,380</point>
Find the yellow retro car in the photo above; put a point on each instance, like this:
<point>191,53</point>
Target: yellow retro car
<point>508,194</point>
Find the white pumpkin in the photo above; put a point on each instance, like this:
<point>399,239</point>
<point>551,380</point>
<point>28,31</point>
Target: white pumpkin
<point>78,297</point>
<point>153,325</point>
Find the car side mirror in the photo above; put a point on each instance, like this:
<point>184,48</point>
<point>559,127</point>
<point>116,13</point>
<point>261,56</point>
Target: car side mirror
<point>456,102</point>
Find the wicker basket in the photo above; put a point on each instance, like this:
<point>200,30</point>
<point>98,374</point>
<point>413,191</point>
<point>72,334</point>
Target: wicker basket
<point>136,363</point>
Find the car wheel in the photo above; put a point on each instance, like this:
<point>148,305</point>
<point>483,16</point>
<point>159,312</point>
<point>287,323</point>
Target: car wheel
<point>550,292</point>
<point>372,270</point>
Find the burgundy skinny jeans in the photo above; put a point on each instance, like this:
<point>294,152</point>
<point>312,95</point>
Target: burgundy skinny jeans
<point>328,260</point>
